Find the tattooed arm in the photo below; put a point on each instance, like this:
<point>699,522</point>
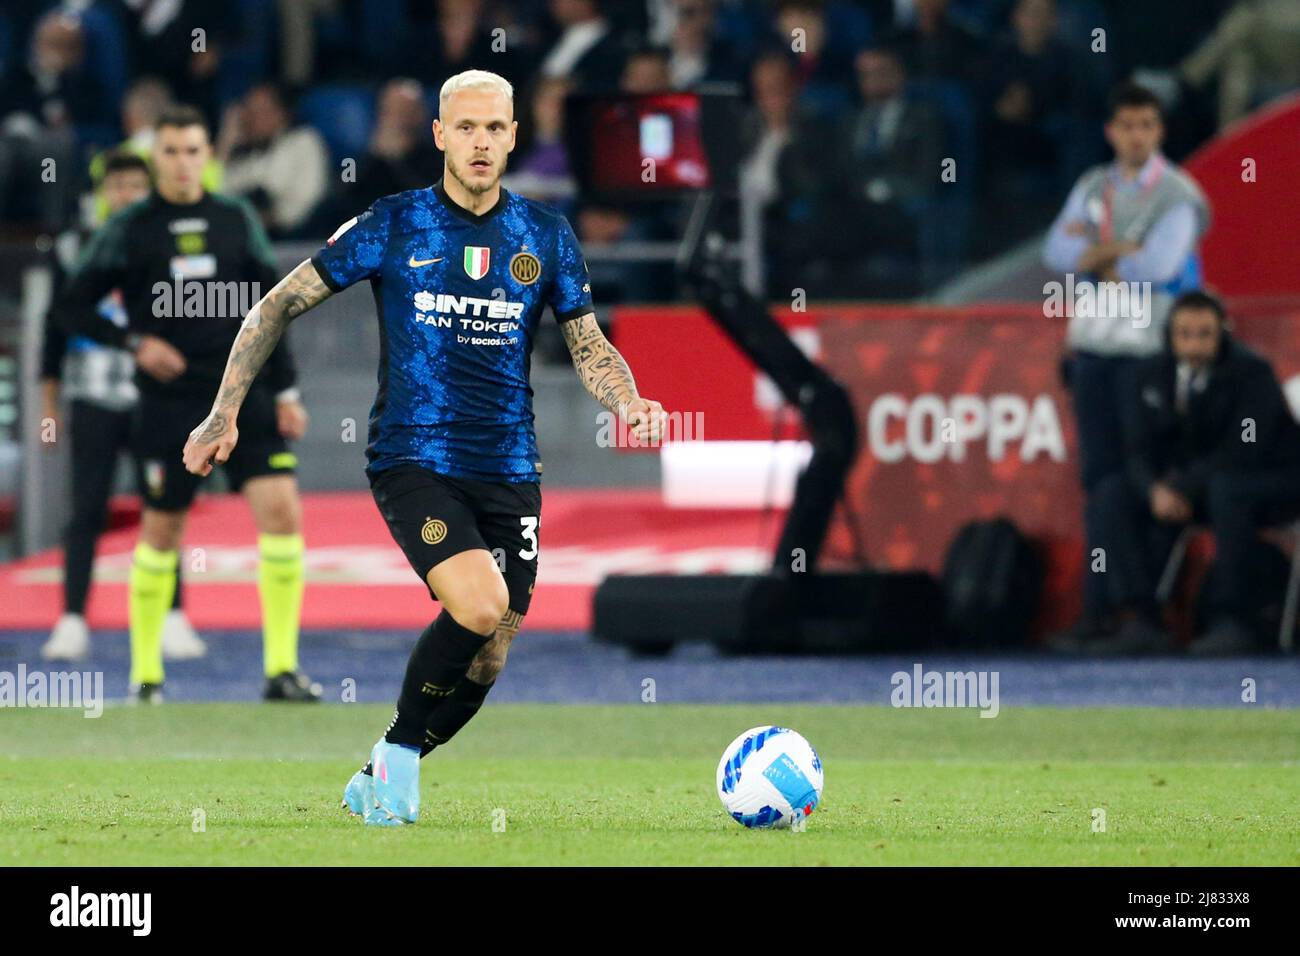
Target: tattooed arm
<point>213,440</point>
<point>605,375</point>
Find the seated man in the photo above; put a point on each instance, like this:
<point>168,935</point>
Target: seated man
<point>1208,438</point>
<point>281,168</point>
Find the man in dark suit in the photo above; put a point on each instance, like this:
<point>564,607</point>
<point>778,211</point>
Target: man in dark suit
<point>1208,438</point>
<point>887,156</point>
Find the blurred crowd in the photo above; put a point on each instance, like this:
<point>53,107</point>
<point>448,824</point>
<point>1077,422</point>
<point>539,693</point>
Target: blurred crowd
<point>885,142</point>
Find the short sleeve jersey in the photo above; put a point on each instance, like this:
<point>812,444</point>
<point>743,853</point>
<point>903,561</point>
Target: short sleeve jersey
<point>459,297</point>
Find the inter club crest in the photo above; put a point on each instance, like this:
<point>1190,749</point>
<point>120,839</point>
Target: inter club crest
<point>525,268</point>
<point>433,531</point>
<point>476,261</point>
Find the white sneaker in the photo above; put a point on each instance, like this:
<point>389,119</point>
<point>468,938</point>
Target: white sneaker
<point>179,641</point>
<point>69,641</point>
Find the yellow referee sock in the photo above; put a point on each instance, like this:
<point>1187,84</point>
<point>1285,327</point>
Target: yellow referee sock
<point>280,576</point>
<point>152,586</point>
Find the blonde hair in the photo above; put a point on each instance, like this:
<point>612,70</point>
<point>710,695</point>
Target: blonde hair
<point>474,80</point>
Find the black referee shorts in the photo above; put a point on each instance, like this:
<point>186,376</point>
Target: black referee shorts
<point>163,424</point>
<point>432,517</point>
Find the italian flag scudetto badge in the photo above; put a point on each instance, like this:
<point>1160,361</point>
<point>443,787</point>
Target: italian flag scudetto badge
<point>476,261</point>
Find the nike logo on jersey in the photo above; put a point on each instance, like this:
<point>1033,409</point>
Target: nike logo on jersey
<point>415,263</point>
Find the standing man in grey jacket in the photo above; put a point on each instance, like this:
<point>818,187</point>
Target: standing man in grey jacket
<point>1127,244</point>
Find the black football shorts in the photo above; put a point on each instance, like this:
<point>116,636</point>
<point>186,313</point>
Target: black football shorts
<point>161,426</point>
<point>433,516</point>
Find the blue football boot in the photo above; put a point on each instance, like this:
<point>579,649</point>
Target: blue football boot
<point>396,783</point>
<point>359,794</point>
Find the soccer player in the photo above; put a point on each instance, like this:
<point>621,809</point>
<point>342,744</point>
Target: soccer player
<point>97,382</point>
<point>461,273</point>
<point>183,238</point>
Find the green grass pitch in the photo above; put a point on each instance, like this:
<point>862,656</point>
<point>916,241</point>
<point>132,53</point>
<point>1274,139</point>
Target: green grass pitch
<point>633,785</point>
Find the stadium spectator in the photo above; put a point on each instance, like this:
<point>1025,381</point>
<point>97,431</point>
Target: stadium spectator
<point>450,36</point>
<point>185,42</point>
<point>872,174</point>
<point>41,102</point>
<point>401,154</point>
<point>280,169</point>
<point>823,62</point>
<point>1136,221</point>
<point>587,48</point>
<point>1254,54</point>
<point>543,170</point>
<point>145,101</point>
<point>646,70</point>
<point>1208,438</point>
<point>894,144</point>
<point>698,54</point>
<point>1034,100</point>
<point>55,86</point>
<point>936,45</point>
<point>781,202</point>
<point>300,23</point>
<point>1031,134</point>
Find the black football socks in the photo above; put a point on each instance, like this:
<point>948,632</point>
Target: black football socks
<point>455,711</point>
<point>441,657</point>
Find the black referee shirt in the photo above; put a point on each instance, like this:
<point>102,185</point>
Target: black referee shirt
<point>187,273</point>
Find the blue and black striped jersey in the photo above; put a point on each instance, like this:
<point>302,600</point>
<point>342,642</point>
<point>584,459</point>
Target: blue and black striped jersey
<point>459,297</point>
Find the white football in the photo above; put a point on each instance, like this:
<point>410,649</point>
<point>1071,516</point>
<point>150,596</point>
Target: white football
<point>770,777</point>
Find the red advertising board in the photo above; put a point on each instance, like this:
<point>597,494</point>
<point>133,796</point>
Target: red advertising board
<point>989,374</point>
<point>684,360</point>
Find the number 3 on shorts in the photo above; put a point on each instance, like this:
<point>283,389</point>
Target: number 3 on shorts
<point>530,524</point>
